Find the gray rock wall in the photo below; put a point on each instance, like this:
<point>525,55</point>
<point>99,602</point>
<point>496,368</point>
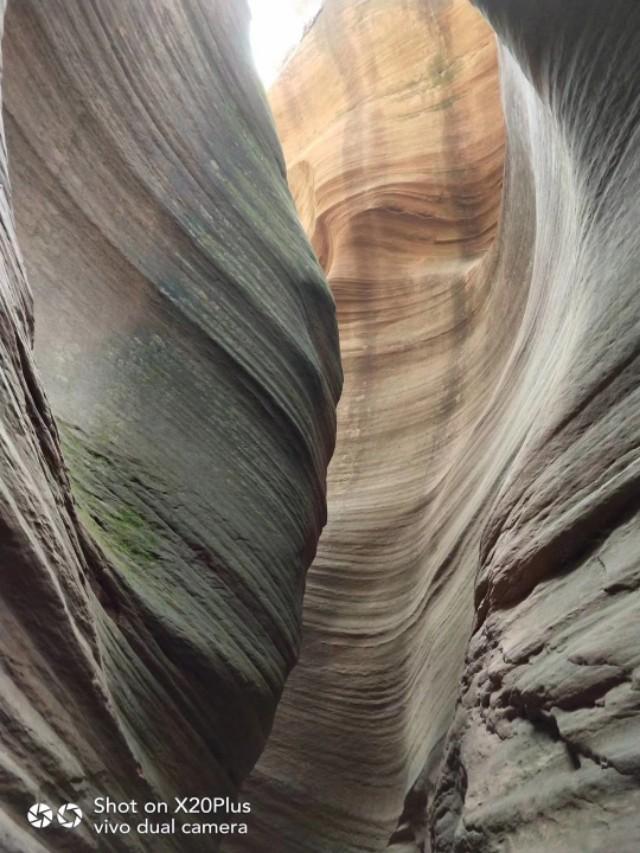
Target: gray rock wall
<point>186,338</point>
<point>543,751</point>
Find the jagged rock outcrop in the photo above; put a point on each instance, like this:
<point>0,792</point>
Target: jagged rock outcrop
<point>187,342</point>
<point>488,435</point>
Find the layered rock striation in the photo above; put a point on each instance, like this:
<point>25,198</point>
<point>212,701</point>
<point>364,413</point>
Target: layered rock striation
<point>391,123</point>
<point>468,679</point>
<point>159,515</point>
<point>469,674</point>
<point>543,750</point>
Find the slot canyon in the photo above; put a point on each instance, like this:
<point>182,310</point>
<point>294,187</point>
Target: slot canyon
<point>320,428</point>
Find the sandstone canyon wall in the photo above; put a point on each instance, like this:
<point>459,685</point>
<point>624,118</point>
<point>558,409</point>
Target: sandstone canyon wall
<point>544,749</point>
<point>468,678</point>
<point>187,342</point>
<point>391,123</point>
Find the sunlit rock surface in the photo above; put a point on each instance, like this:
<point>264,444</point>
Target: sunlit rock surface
<point>186,340</point>
<point>390,118</point>
<point>488,435</point>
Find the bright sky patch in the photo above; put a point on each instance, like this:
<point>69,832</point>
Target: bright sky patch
<point>276,28</point>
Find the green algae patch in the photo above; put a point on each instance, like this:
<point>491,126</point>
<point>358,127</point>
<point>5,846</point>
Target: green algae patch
<point>130,536</point>
<point>103,486</point>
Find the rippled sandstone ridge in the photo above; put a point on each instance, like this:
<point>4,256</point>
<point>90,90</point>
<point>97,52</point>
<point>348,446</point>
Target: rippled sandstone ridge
<point>187,342</point>
<point>468,678</point>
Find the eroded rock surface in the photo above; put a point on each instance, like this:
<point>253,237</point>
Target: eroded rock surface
<point>544,753</point>
<point>391,124</point>
<point>489,434</point>
<point>187,342</point>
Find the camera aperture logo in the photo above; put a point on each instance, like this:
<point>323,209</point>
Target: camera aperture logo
<point>40,815</point>
<point>69,816</point>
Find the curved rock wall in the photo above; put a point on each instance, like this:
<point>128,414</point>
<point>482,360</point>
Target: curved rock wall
<point>543,752</point>
<point>187,342</point>
<point>488,434</point>
<point>391,124</point>
<point>468,679</point>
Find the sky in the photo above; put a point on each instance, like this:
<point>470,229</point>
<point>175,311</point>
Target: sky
<point>276,27</point>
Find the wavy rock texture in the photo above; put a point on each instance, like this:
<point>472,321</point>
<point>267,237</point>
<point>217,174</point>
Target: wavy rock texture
<point>391,124</point>
<point>488,434</point>
<point>187,342</point>
<point>544,750</point>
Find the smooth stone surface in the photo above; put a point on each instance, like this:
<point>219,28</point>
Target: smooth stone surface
<point>187,342</point>
<point>489,434</point>
<point>390,119</point>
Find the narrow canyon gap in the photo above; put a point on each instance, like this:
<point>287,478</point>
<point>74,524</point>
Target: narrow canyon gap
<point>186,339</point>
<point>485,482</point>
<point>468,680</point>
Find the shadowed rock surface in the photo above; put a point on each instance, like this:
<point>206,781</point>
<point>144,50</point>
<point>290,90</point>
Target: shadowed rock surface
<point>187,343</point>
<point>544,750</point>
<point>488,435</point>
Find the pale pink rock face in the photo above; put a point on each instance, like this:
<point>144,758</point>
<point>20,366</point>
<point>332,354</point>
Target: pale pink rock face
<point>485,478</point>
